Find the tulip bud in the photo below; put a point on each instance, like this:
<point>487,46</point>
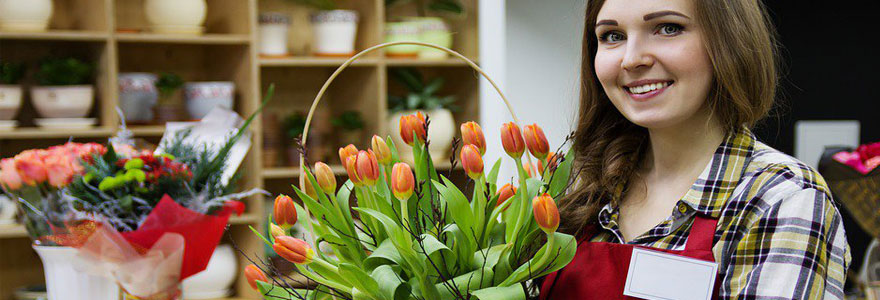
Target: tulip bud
<point>367,167</point>
<point>325,177</point>
<point>536,141</point>
<point>472,161</point>
<point>413,123</point>
<point>252,273</point>
<point>351,169</point>
<point>512,140</point>
<point>383,153</point>
<point>402,181</point>
<point>307,187</point>
<point>294,250</point>
<point>546,213</point>
<point>472,134</point>
<point>504,193</point>
<point>528,168</point>
<point>284,211</point>
<point>276,231</point>
<point>9,177</point>
<point>347,151</point>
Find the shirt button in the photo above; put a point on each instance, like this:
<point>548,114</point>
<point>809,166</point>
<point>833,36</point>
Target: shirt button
<point>682,208</point>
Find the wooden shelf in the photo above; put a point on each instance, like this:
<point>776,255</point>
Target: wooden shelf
<point>414,62</point>
<point>211,38</point>
<point>12,231</point>
<point>43,133</point>
<point>147,130</point>
<point>57,35</point>
<point>315,62</point>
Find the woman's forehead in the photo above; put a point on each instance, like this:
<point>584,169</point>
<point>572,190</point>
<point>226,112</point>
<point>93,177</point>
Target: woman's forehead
<point>629,10</point>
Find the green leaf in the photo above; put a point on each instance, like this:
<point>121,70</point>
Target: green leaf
<point>560,255</point>
<point>391,285</point>
<point>433,86</point>
<point>446,6</point>
<point>559,180</point>
<point>492,178</point>
<point>359,279</point>
<point>385,254</point>
<point>409,78</point>
<point>489,257</point>
<point>459,207</point>
<point>514,292</point>
<point>465,283</point>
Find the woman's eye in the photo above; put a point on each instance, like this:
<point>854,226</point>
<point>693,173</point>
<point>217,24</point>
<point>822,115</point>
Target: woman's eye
<point>669,29</point>
<point>611,37</point>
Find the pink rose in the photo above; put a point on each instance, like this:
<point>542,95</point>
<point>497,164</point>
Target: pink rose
<point>869,151</point>
<point>60,169</point>
<point>30,167</point>
<point>9,177</point>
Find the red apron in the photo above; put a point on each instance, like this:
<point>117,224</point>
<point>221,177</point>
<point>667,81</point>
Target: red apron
<point>598,270</point>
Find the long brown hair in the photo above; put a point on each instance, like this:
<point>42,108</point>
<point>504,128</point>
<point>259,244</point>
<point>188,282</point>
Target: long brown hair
<point>741,43</point>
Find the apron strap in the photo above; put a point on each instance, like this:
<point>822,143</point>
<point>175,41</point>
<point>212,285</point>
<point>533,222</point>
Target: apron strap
<point>702,234</point>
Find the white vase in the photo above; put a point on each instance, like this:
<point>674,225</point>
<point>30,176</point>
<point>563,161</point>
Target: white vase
<point>441,132</point>
<point>10,101</point>
<point>72,101</point>
<point>216,280</point>
<point>202,97</point>
<point>64,282</point>
<point>137,96</point>
<point>334,32</point>
<point>176,16</point>
<point>25,15</point>
<point>433,30</point>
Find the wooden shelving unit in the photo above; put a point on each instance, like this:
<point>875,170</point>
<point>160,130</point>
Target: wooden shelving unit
<point>113,35</point>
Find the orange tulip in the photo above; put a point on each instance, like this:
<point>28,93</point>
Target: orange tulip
<point>551,162</point>
<point>367,167</point>
<point>325,177</point>
<point>528,168</point>
<point>252,273</point>
<point>512,140</point>
<point>504,193</point>
<point>472,161</point>
<point>536,141</point>
<point>472,134</point>
<point>546,213</point>
<point>413,123</point>
<point>9,177</point>
<point>402,181</point>
<point>347,151</point>
<point>294,250</point>
<point>276,231</point>
<point>308,188</point>
<point>284,211</point>
<point>383,153</point>
<point>351,169</point>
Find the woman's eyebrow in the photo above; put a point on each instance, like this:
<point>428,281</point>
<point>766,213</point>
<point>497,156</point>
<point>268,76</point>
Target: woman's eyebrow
<point>664,13</point>
<point>606,22</point>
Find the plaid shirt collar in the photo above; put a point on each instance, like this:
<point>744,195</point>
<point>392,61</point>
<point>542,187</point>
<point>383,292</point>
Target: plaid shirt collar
<point>707,195</point>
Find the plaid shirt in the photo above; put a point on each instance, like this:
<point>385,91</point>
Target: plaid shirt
<point>779,233</point>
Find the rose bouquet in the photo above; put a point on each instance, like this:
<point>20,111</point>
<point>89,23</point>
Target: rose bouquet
<point>854,177</point>
<point>407,232</point>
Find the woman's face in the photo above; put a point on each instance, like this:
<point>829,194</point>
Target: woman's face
<point>652,62</point>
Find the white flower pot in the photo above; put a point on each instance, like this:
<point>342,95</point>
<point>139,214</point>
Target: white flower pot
<point>176,16</point>
<point>73,101</point>
<point>64,282</point>
<point>273,34</point>
<point>441,132</point>
<point>201,97</point>
<point>434,30</point>
<point>216,280</point>
<point>406,31</point>
<point>137,96</point>
<point>25,15</point>
<point>334,32</point>
<point>10,101</point>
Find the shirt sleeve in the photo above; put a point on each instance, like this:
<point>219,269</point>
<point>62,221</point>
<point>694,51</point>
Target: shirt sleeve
<point>796,249</point>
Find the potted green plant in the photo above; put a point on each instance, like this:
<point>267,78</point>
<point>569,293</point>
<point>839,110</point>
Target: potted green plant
<point>64,90</point>
<point>349,126</point>
<point>334,30</point>
<point>422,96</point>
<point>293,126</point>
<point>169,106</point>
<point>10,91</point>
<point>423,28</point>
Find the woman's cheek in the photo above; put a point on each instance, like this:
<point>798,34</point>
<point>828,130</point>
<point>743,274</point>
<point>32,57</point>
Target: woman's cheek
<point>607,69</point>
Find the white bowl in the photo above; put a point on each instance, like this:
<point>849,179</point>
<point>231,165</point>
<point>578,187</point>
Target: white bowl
<point>74,101</point>
<point>66,123</point>
<point>10,101</point>
<point>202,97</point>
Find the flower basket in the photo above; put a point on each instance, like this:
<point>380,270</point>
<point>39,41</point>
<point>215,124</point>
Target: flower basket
<point>856,187</point>
<point>401,232</point>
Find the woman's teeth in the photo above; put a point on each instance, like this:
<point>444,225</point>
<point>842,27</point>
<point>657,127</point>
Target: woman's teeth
<point>647,88</point>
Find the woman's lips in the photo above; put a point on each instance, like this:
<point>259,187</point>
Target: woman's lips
<point>647,96</point>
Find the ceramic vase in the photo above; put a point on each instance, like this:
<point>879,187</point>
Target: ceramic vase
<point>25,15</point>
<point>334,32</point>
<point>64,282</point>
<point>176,16</point>
<point>441,132</point>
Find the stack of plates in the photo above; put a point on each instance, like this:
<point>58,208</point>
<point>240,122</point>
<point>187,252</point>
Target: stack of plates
<point>66,123</point>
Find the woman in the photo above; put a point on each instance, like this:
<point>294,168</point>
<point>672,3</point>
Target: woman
<point>666,161</point>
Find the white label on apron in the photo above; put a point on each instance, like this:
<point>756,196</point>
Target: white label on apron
<point>656,275</point>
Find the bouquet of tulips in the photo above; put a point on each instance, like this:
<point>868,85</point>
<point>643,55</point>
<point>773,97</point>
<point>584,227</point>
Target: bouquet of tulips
<point>417,235</point>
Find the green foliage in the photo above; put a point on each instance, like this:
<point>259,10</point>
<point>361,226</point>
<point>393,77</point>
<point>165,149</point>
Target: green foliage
<point>421,95</point>
<point>294,125</point>
<point>348,121</point>
<point>167,84</point>
<point>440,6</point>
<point>64,71</point>
<point>318,4</point>
<point>10,73</point>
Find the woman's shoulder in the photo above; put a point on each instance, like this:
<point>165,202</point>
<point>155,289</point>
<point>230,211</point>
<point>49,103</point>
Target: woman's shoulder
<point>770,170</point>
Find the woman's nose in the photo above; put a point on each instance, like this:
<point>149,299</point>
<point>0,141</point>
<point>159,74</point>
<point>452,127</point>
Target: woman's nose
<point>637,55</point>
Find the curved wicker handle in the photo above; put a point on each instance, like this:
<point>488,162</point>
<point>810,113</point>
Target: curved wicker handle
<point>380,46</point>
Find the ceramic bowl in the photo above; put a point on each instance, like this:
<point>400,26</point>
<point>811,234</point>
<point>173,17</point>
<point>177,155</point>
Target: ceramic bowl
<point>201,97</point>
<point>74,101</point>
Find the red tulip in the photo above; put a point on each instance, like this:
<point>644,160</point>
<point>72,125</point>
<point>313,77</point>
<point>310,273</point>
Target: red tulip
<point>536,141</point>
<point>367,167</point>
<point>504,193</point>
<point>472,161</point>
<point>472,134</point>
<point>383,153</point>
<point>252,273</point>
<point>325,177</point>
<point>413,123</point>
<point>546,213</point>
<point>293,250</point>
<point>347,151</point>
<point>402,181</point>
<point>512,140</point>
<point>284,211</point>
<point>9,177</point>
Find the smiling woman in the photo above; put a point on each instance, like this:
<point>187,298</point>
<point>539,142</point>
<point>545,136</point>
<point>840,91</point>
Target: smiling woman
<point>667,162</point>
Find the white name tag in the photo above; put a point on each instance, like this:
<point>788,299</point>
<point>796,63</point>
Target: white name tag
<point>656,275</point>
